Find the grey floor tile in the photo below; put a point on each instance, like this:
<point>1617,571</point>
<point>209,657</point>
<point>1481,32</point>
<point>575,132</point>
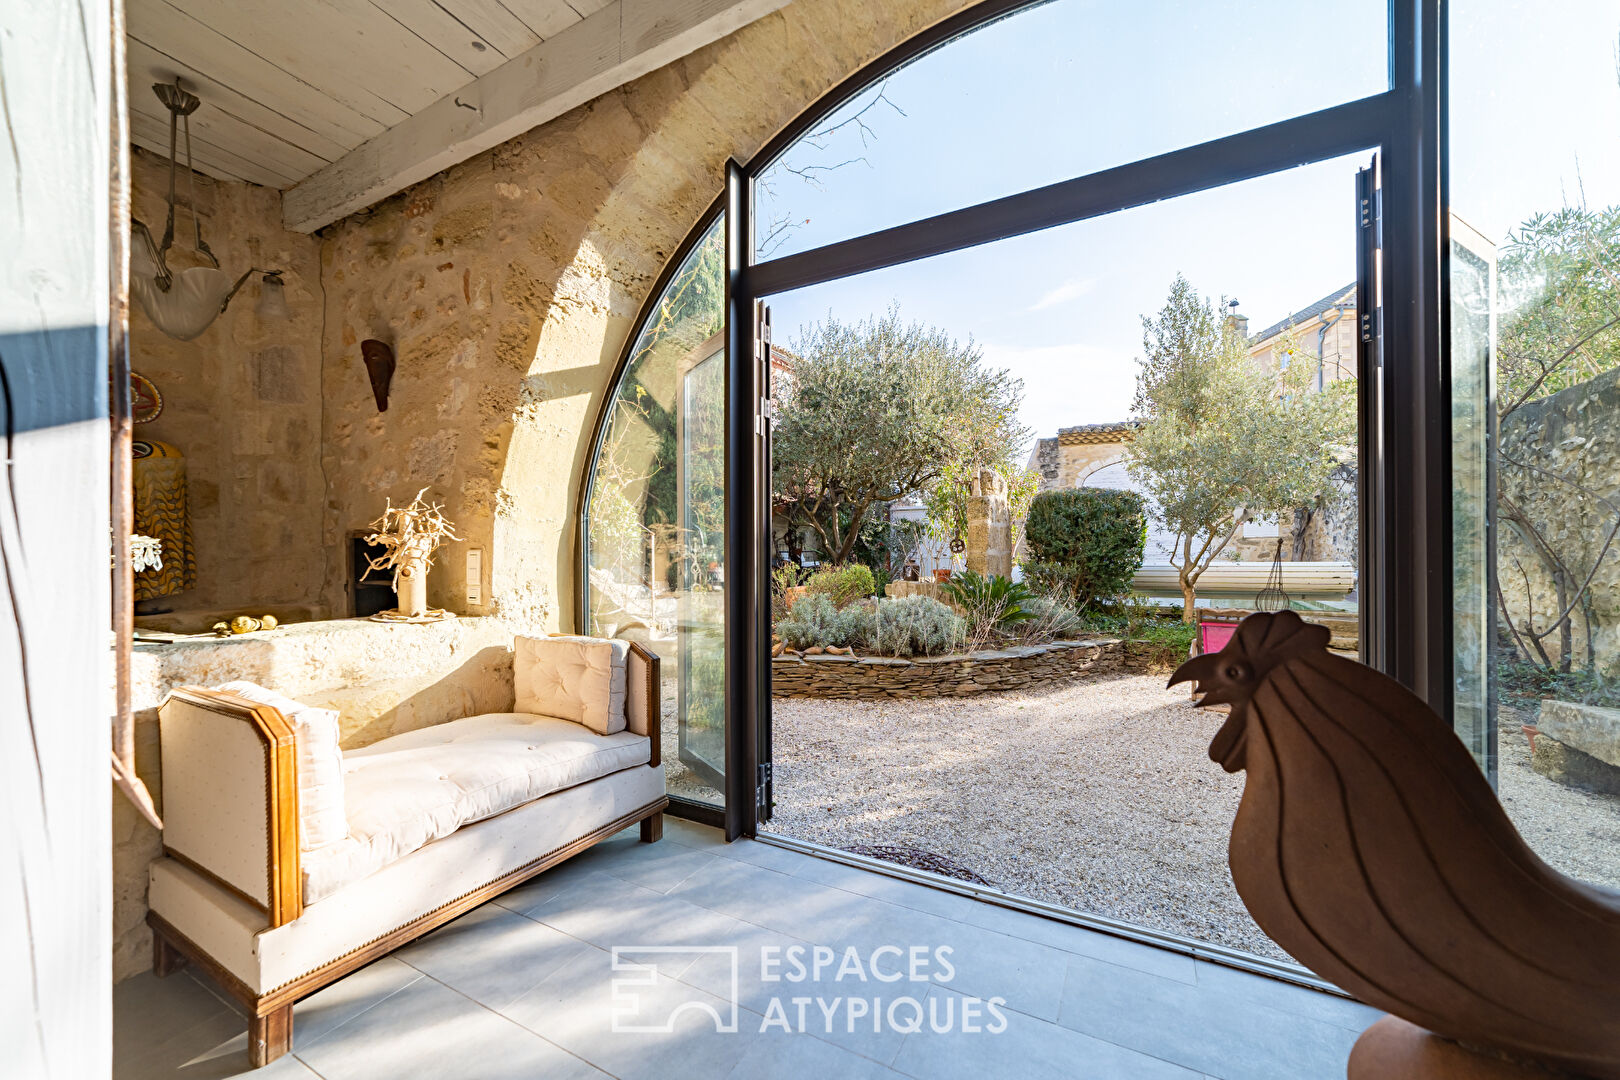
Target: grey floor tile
<point>882,887</point>
<point>777,1056</point>
<point>660,867</point>
<point>1077,939</point>
<point>612,912</point>
<point>429,1031</point>
<point>149,1013</point>
<point>691,834</point>
<point>542,887</point>
<point>1225,1035</point>
<point>214,1049</point>
<point>349,997</point>
<point>1013,1044</point>
<point>656,1028</point>
<point>792,905</point>
<point>491,954</point>
<point>767,855</point>
<point>1329,1008</point>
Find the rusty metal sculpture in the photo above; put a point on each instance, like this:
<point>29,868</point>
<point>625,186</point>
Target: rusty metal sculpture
<point>379,361</point>
<point>1370,847</point>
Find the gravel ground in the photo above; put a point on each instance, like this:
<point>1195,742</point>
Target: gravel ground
<point>1097,795</point>
<point>1576,831</point>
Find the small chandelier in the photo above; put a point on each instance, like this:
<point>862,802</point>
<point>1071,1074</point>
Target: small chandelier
<point>185,304</point>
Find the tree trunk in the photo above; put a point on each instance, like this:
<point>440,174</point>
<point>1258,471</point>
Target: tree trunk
<point>1189,594</point>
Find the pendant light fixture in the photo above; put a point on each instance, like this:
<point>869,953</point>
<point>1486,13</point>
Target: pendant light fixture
<point>186,303</point>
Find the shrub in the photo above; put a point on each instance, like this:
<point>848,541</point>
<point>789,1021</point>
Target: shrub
<point>1050,618</point>
<point>1087,541</point>
<point>912,626</point>
<point>993,601</point>
<point>816,620</point>
<point>843,583</point>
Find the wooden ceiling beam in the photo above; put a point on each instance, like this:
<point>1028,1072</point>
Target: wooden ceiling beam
<point>621,41</point>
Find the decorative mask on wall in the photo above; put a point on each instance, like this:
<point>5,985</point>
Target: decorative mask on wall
<point>184,304</point>
<point>379,360</point>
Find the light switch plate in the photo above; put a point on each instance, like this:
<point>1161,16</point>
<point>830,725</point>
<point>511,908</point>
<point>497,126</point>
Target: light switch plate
<point>475,577</point>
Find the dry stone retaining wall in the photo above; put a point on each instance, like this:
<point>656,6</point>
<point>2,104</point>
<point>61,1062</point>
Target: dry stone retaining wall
<point>942,676</point>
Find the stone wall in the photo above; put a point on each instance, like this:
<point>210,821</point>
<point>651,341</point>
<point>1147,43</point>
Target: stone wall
<point>942,676</point>
<point>508,284</point>
<point>242,402</point>
<point>1574,434</point>
<point>384,679</point>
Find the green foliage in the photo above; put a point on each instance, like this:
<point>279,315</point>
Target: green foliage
<point>816,620</point>
<point>878,410</point>
<point>1086,542</point>
<point>1150,632</point>
<point>991,601</point>
<point>913,626</point>
<point>908,626</point>
<point>1559,297</point>
<point>1529,680</point>
<point>1221,442</point>
<point>1050,618</point>
<point>946,499</point>
<point>842,584</point>
<point>783,578</point>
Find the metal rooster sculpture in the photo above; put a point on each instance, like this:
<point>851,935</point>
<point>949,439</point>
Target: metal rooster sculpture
<point>1369,845</point>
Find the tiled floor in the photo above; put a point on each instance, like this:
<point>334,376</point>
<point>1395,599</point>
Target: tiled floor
<point>525,987</point>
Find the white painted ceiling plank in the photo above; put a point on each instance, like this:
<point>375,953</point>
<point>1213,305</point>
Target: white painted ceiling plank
<point>548,18</point>
<point>436,26</point>
<point>153,134</point>
<point>147,66</point>
<point>308,42</point>
<point>495,24</point>
<point>175,34</point>
<point>584,61</point>
<point>227,132</point>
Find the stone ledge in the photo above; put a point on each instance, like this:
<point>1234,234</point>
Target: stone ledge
<point>953,675</point>
<point>1591,729</point>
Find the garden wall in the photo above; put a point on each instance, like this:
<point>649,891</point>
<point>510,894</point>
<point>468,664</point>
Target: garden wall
<point>1574,434</point>
<point>876,677</point>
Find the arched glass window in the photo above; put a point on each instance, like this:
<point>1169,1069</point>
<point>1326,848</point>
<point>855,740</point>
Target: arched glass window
<point>655,527</point>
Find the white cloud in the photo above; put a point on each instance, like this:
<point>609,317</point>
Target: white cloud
<point>1072,289</point>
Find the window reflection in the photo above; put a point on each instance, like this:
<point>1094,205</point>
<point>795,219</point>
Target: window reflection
<point>655,545</point>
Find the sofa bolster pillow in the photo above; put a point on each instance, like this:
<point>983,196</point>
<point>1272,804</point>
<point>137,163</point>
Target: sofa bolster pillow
<point>574,678</point>
<point>321,816</point>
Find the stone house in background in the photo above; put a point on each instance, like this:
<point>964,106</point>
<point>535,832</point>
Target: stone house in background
<point>1093,455</point>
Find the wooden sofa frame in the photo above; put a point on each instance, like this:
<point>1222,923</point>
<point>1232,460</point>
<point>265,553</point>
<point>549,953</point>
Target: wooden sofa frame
<point>270,1019</point>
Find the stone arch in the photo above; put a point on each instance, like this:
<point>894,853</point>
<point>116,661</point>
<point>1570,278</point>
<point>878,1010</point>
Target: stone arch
<point>511,282</point>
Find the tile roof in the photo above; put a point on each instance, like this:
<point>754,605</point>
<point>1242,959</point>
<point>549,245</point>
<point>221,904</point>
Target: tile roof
<point>1338,298</point>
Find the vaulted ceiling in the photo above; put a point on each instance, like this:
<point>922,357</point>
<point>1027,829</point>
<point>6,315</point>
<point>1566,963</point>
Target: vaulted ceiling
<point>340,103</point>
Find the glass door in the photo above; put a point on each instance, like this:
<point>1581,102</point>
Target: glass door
<point>700,482</point>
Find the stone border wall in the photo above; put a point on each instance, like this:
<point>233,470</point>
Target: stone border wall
<point>878,677</point>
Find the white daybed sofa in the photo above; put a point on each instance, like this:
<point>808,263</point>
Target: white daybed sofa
<point>289,863</point>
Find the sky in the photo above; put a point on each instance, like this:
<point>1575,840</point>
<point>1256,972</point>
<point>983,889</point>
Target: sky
<point>1081,85</point>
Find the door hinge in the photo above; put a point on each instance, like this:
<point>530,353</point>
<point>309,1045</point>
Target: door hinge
<point>1371,323</point>
<point>762,790</point>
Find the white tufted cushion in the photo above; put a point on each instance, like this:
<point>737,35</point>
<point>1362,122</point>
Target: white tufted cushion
<point>321,819</point>
<point>408,790</point>
<point>577,678</point>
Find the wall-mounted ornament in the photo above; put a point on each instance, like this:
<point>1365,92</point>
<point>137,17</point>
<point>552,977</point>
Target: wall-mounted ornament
<point>158,472</point>
<point>409,535</point>
<point>145,402</point>
<point>379,360</point>
<point>184,304</point>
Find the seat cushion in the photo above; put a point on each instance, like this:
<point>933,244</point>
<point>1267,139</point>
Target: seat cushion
<point>576,678</point>
<point>411,789</point>
<point>321,819</point>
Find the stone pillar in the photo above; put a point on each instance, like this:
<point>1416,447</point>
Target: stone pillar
<point>989,526</point>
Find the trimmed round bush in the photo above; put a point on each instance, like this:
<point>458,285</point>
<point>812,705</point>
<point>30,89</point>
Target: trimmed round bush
<point>844,584</point>
<point>1086,542</point>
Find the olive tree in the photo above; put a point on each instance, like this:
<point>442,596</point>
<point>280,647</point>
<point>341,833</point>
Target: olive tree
<point>879,409</point>
<point>1219,442</point>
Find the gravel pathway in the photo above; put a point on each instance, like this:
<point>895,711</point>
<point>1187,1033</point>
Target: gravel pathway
<point>1576,831</point>
<point>1097,795</point>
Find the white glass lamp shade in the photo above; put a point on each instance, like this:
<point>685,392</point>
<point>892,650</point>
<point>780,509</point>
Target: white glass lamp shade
<point>191,303</point>
<point>272,299</point>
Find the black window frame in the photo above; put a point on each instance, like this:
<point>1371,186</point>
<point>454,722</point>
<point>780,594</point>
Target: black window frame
<point>1405,550</point>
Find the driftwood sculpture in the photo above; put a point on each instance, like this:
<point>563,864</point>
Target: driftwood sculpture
<point>1369,845</point>
<point>409,535</point>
